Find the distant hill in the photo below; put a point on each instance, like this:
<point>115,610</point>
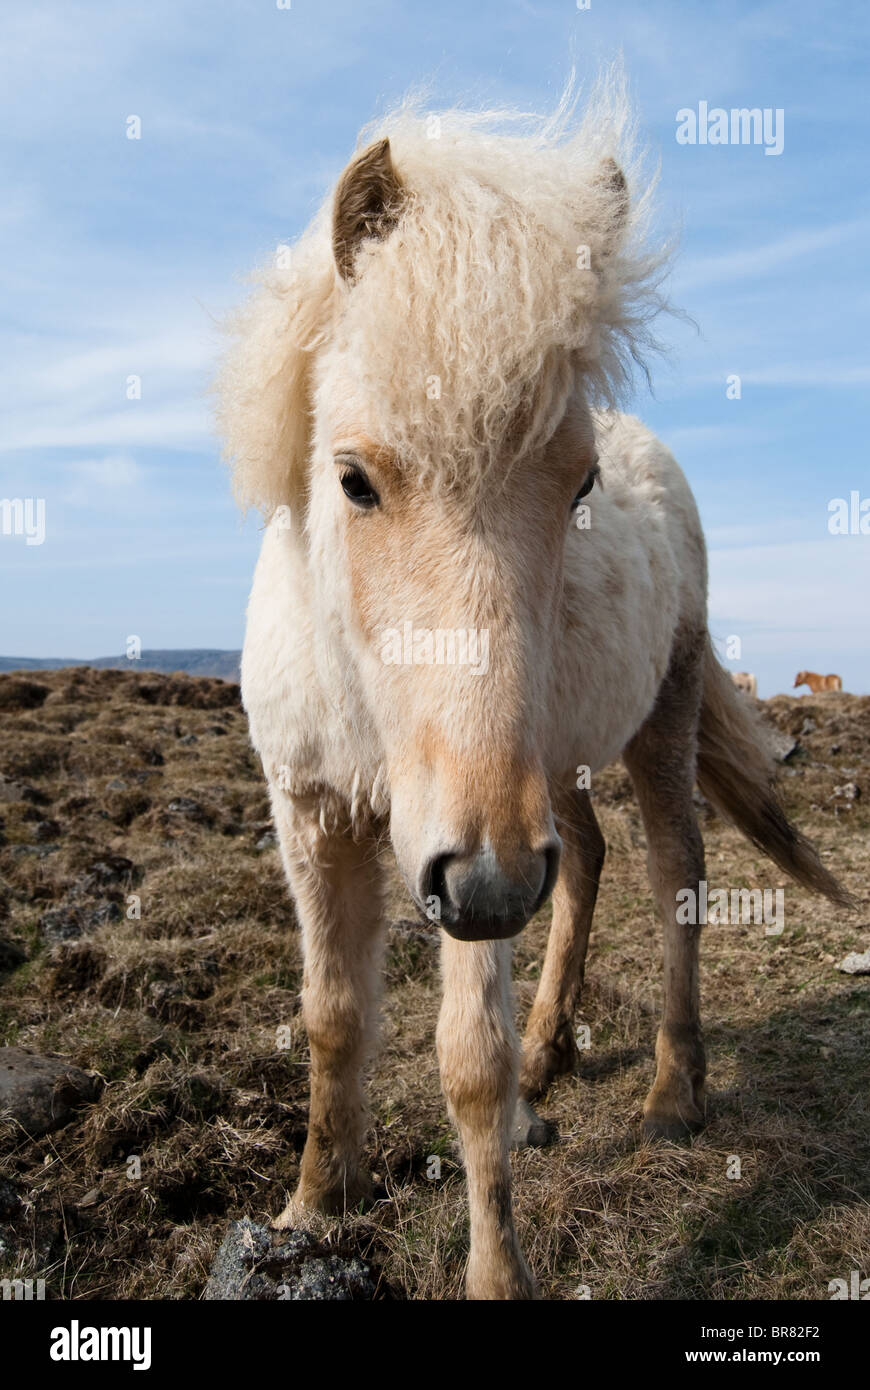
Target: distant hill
<point>194,662</point>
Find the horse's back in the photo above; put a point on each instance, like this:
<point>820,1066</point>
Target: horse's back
<point>635,575</point>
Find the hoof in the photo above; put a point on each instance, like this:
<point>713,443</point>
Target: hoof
<point>309,1201</point>
<point>290,1217</point>
<point>529,1130</point>
<point>674,1109</point>
<point>675,1129</point>
<point>543,1062</point>
<point>512,1282</point>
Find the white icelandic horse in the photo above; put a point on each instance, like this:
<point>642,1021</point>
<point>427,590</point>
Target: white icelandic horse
<point>746,683</point>
<point>476,577</point>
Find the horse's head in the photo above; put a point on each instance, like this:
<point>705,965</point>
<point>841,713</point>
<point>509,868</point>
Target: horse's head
<point>449,597</point>
<point>445,358</point>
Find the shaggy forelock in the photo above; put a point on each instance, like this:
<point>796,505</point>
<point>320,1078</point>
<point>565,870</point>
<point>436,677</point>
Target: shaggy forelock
<point>466,329</point>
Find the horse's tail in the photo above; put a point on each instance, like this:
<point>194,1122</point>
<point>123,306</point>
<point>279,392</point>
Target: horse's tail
<point>736,773</point>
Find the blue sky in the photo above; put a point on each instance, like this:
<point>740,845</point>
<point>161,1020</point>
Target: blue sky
<point>118,256</point>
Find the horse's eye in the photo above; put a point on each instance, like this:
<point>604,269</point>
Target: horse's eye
<point>357,488</point>
<point>588,485</point>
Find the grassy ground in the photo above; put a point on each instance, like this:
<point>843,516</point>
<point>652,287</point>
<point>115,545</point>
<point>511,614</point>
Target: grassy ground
<point>190,1013</point>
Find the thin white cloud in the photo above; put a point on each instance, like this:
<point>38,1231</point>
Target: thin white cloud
<point>753,261</point>
<point>808,374</point>
<point>114,471</point>
<point>694,439</point>
<point>93,478</point>
<point>175,350</point>
<point>749,535</point>
<point>796,585</point>
<point>823,375</point>
<point>172,427</point>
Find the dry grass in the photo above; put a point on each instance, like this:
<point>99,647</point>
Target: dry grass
<point>180,1009</point>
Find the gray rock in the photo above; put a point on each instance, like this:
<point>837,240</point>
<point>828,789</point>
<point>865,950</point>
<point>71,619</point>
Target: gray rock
<point>856,963</point>
<point>60,924</point>
<point>109,871</point>
<point>10,790</point>
<point>850,791</point>
<point>100,915</point>
<point>779,745</point>
<point>43,1091</point>
<point>268,841</point>
<point>257,1264</point>
<point>108,877</point>
<point>70,921</point>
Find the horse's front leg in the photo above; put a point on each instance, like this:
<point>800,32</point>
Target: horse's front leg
<point>336,884</point>
<point>478,1055</point>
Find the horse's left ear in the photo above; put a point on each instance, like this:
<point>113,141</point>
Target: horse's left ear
<point>368,201</point>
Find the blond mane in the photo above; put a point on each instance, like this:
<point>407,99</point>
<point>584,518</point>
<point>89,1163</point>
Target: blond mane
<point>470,324</point>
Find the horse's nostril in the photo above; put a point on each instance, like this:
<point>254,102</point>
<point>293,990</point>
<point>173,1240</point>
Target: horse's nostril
<point>552,858</point>
<point>476,898</point>
<point>434,889</point>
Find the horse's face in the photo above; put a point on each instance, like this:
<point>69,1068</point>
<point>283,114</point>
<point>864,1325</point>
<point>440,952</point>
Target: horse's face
<point>439,556</point>
<point>449,599</point>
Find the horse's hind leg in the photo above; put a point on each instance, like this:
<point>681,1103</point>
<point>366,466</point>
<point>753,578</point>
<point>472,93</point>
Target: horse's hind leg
<point>661,761</point>
<point>336,886</point>
<point>549,1046</point>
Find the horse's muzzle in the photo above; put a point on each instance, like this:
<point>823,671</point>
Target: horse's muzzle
<point>479,899</point>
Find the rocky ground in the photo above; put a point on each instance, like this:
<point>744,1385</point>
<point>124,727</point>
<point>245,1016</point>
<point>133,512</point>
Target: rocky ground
<point>155,1093</point>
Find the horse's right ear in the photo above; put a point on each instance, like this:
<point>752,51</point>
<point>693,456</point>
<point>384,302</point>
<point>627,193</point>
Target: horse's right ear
<point>611,177</point>
<point>368,202</point>
<point>612,204</point>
